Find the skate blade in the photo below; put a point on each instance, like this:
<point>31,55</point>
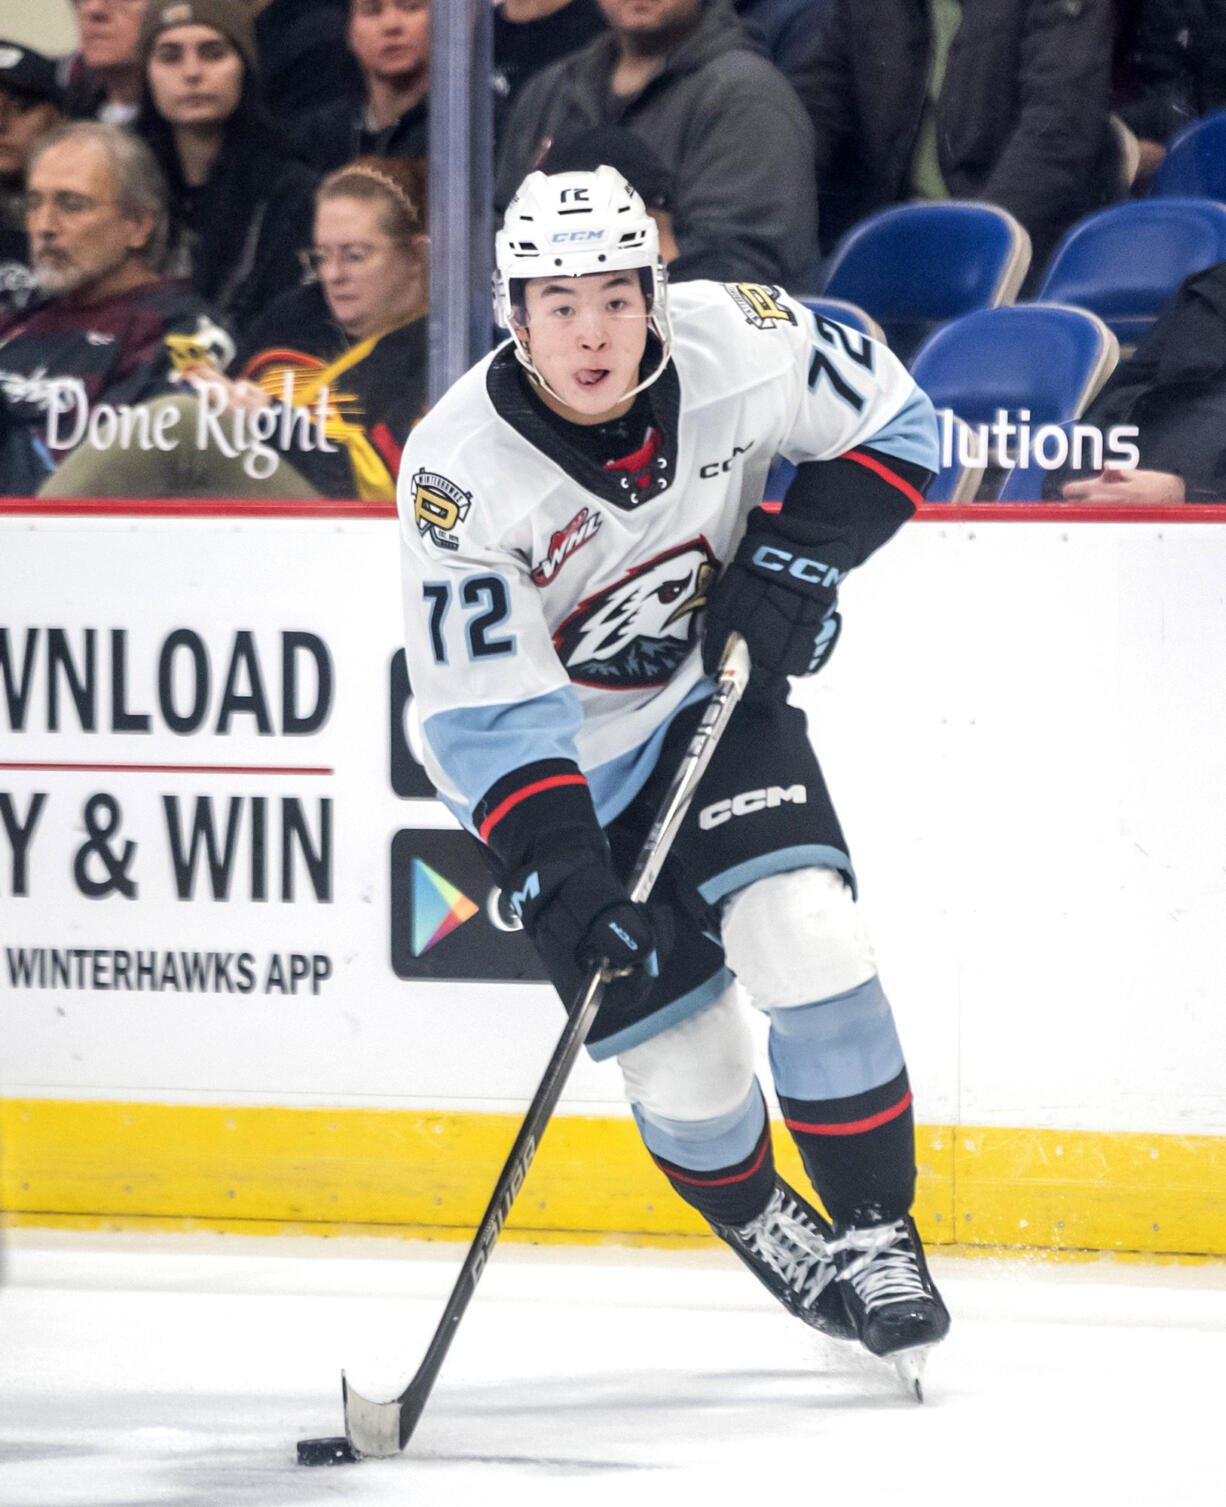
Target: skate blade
<point>910,1365</point>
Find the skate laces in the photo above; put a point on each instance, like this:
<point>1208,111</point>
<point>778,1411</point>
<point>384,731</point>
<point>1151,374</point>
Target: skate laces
<point>789,1244</point>
<point>886,1270</point>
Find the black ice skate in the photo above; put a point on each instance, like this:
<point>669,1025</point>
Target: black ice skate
<point>787,1249</point>
<point>890,1296</point>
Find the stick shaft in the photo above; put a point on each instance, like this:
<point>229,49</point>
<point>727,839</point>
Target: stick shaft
<point>733,676</point>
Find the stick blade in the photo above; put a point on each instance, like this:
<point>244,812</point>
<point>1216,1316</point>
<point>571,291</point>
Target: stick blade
<point>336,1451</point>
<point>372,1428</point>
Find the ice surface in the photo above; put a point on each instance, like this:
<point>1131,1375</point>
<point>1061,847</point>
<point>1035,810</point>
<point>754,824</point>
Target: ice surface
<point>180,1370</point>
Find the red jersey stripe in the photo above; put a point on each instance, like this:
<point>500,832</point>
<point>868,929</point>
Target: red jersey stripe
<point>871,463</point>
<point>854,1127</point>
<point>500,810</point>
<point>722,1182</point>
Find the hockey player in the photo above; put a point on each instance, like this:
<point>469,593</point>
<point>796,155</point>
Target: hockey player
<point>580,532</point>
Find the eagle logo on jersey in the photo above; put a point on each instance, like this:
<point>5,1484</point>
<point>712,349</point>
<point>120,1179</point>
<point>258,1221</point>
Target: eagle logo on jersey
<point>635,633</point>
<point>760,305</point>
<point>438,506</point>
<point>583,526</point>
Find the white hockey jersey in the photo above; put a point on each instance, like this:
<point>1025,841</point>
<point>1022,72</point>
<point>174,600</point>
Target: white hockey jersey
<point>547,618</point>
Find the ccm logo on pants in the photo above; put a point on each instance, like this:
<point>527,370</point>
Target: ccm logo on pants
<point>750,801</point>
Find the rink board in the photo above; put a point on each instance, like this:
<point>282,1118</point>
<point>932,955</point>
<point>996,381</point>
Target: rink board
<point>1022,729</point>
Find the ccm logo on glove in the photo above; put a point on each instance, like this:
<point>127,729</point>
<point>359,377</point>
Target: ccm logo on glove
<point>816,572</point>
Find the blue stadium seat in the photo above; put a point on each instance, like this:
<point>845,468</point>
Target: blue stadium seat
<point>1195,161</point>
<point>916,265</point>
<point>1124,263</point>
<point>1045,359</point>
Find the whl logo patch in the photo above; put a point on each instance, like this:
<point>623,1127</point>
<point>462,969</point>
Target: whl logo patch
<point>438,907</point>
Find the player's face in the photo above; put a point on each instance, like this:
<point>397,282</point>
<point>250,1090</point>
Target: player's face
<point>586,336</point>
<point>195,76</point>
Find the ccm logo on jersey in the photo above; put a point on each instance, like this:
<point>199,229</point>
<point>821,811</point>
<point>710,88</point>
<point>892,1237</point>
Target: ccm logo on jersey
<point>815,572</point>
<point>750,801</point>
<point>438,506</point>
<point>760,305</point>
<point>715,467</point>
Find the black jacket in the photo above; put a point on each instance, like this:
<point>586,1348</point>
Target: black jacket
<point>1176,61</point>
<point>305,61</point>
<point>330,137</point>
<point>1021,118</point>
<point>722,120</point>
<point>1173,388</point>
<point>242,271</point>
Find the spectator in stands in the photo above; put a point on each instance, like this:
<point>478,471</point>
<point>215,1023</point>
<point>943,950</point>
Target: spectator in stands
<point>353,342</point>
<point>241,204</point>
<point>30,106</point>
<point>790,30</point>
<point>304,63</point>
<point>1173,388</point>
<point>1005,101</point>
<point>725,123</point>
<point>388,116</point>
<point>104,76</point>
<point>105,325</point>
<point>1175,59</point>
<point>529,35</point>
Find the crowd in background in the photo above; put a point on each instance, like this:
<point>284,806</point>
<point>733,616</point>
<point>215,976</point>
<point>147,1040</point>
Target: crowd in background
<point>230,194</point>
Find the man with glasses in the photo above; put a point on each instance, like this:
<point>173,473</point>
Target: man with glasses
<point>29,107</point>
<point>105,327</point>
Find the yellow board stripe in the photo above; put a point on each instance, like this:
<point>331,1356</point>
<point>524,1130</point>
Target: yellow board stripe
<point>100,1163</point>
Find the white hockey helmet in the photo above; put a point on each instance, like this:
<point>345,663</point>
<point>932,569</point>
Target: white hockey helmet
<point>571,225</point>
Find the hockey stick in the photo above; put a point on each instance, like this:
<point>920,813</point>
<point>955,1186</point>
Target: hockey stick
<point>384,1428</point>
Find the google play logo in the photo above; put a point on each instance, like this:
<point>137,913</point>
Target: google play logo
<point>438,907</point>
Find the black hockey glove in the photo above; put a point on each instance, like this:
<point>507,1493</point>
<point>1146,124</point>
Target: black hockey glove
<point>778,592</point>
<point>575,905</point>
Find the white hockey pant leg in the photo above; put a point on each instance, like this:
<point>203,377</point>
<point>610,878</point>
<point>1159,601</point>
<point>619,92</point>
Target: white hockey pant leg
<point>693,1091</point>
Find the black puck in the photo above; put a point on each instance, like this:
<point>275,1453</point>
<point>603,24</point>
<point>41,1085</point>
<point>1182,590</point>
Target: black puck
<point>336,1451</point>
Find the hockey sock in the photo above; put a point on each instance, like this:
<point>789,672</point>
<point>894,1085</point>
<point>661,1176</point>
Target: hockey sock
<point>843,1089</point>
<point>724,1167</point>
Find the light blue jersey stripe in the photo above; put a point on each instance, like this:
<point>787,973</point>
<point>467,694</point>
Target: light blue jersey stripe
<point>615,784</point>
<point>477,745</point>
<point>837,1047</point>
<point>912,434</point>
<point>807,856</point>
<point>705,1145</point>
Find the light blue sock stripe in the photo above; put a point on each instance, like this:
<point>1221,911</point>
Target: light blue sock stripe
<point>811,855</point>
<point>836,1047</point>
<point>705,1145</point>
<point>680,1009</point>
